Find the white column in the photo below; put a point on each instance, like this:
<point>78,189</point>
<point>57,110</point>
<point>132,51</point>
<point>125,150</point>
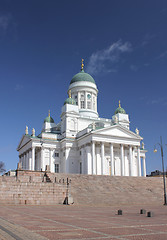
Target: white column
<point>24,161</point>
<point>102,158</point>
<point>139,161</point>
<point>112,159</point>
<point>93,159</point>
<point>29,160</point>
<point>130,161</point>
<point>33,159</point>
<point>79,100</point>
<point>122,161</point>
<point>42,159</point>
<point>98,160</point>
<point>67,167</point>
<point>85,99</point>
<point>144,167</point>
<point>50,160</point>
<point>88,160</point>
<point>82,160</point>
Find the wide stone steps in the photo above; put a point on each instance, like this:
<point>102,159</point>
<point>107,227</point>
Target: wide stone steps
<point>40,188</point>
<point>107,190</point>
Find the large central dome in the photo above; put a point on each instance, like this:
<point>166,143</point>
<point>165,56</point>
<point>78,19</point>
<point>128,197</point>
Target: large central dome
<point>82,76</point>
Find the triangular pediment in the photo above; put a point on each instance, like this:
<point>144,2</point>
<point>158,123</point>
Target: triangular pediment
<point>24,140</point>
<point>117,131</point>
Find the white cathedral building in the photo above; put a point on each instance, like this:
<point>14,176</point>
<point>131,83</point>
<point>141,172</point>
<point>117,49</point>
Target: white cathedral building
<point>82,142</point>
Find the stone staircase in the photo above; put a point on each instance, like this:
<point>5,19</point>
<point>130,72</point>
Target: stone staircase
<point>95,190</point>
<point>44,188</point>
<point>31,189</point>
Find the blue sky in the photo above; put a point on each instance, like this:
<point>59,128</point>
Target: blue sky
<point>124,44</point>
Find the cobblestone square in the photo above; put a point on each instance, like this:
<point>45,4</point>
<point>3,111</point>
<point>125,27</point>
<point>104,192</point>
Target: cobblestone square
<point>74,222</point>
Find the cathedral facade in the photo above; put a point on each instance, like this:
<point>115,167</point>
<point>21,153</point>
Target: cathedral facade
<point>83,142</point>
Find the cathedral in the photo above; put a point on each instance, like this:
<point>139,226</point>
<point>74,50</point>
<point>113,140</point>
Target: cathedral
<point>82,142</point>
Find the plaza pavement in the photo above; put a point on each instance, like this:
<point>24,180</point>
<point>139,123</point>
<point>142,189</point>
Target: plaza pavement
<point>74,222</point>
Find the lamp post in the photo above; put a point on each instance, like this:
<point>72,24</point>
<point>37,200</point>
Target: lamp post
<point>162,155</point>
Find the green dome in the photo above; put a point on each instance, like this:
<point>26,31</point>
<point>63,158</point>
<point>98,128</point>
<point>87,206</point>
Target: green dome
<point>49,119</point>
<point>70,101</point>
<point>120,109</point>
<point>82,76</point>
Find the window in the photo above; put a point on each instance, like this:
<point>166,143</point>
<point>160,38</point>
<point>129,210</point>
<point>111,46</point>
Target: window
<point>64,154</point>
<point>82,104</point>
<point>88,104</point>
<point>56,168</point>
<point>94,103</point>
<point>56,154</point>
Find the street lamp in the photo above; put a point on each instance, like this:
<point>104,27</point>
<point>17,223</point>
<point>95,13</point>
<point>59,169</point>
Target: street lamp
<point>162,155</point>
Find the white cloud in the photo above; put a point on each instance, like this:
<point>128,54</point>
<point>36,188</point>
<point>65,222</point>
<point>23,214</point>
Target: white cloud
<point>100,59</point>
<point>147,38</point>
<point>159,101</point>
<point>162,55</point>
<point>134,67</point>
<point>4,22</point>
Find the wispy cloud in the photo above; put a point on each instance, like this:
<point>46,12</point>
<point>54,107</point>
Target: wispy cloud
<point>18,87</point>
<point>162,55</point>
<point>8,25</point>
<point>102,59</point>
<point>147,38</point>
<point>134,67</point>
<point>157,101</point>
<point>5,20</point>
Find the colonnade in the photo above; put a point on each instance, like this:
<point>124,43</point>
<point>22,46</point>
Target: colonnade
<point>95,156</point>
<point>93,159</point>
<point>27,159</point>
<point>85,93</point>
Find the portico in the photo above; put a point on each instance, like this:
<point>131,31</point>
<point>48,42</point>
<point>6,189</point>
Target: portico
<point>112,152</point>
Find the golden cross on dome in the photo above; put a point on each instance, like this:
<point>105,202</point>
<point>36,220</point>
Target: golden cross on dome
<point>119,104</point>
<point>69,93</point>
<point>49,113</point>
<point>82,64</point>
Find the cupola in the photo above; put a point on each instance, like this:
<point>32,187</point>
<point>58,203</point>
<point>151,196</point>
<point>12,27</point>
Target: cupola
<point>84,92</point>
<point>70,100</point>
<point>49,119</point>
<point>120,109</point>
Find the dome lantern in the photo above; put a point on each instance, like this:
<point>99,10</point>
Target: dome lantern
<point>49,119</point>
<point>120,109</point>
<point>70,100</point>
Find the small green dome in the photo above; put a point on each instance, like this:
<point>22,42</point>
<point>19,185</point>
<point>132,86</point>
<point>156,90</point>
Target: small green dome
<point>120,109</point>
<point>49,119</point>
<point>82,76</point>
<point>70,101</point>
